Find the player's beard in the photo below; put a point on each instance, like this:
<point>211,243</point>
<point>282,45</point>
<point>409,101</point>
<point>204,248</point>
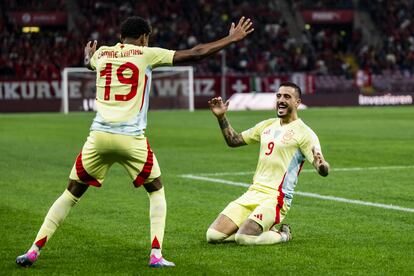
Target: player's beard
<point>283,112</point>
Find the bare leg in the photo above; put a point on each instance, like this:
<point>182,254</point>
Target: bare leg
<point>250,227</point>
<point>77,189</point>
<point>153,186</point>
<point>223,229</point>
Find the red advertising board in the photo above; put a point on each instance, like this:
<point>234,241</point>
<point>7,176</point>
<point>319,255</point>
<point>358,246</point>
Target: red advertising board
<point>328,16</point>
<point>238,84</point>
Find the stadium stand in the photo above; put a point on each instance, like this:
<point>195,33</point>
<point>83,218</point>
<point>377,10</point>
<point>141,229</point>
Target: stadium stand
<point>394,19</point>
<point>335,51</point>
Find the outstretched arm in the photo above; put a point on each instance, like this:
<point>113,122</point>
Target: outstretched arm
<point>319,162</point>
<point>89,51</point>
<point>233,139</point>
<point>236,33</point>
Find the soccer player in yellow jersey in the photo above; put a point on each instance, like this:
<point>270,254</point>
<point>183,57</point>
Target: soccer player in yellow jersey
<point>285,143</point>
<point>123,80</point>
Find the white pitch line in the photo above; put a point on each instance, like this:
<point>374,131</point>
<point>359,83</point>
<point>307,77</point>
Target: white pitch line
<point>305,194</point>
<point>355,169</point>
<point>227,182</point>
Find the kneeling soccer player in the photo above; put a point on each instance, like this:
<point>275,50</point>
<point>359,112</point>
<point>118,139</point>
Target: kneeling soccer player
<point>285,142</point>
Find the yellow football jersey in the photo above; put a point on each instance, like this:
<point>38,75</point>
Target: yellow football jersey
<point>123,81</point>
<point>283,150</point>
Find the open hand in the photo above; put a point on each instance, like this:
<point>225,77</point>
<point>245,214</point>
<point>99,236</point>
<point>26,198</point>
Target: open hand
<point>243,28</point>
<point>90,49</point>
<point>218,107</point>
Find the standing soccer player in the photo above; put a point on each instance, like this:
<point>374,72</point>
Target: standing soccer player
<point>285,142</point>
<point>123,81</point>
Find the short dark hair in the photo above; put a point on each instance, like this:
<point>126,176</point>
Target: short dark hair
<point>293,85</point>
<point>134,27</point>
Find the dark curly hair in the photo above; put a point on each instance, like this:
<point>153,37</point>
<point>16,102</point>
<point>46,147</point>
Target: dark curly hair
<point>292,85</point>
<point>134,27</point>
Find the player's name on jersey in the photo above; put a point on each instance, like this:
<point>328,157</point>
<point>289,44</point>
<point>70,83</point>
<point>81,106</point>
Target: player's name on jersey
<point>119,54</point>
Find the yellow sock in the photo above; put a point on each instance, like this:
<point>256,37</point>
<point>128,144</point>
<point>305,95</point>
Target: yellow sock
<point>268,237</point>
<point>57,213</point>
<point>158,213</point>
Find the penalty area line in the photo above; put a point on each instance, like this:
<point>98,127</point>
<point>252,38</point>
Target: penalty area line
<point>304,194</point>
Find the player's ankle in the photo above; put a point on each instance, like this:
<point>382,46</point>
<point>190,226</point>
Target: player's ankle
<point>34,248</point>
<point>156,252</point>
<point>33,255</point>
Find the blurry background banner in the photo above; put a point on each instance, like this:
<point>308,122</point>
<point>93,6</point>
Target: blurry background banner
<point>38,18</point>
<point>170,91</point>
<point>328,16</point>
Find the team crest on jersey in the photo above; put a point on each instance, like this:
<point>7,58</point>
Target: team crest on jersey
<point>288,136</point>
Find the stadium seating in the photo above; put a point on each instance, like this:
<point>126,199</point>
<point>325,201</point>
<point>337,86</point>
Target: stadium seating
<point>270,50</point>
<point>394,19</point>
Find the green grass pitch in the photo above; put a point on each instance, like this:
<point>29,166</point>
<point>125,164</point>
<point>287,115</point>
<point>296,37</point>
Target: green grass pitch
<point>108,231</point>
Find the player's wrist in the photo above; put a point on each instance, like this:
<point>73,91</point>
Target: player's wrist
<point>86,59</point>
<point>231,38</point>
<point>221,117</point>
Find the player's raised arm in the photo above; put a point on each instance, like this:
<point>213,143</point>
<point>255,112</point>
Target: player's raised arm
<point>319,162</point>
<point>219,109</point>
<point>90,49</point>
<point>236,33</point>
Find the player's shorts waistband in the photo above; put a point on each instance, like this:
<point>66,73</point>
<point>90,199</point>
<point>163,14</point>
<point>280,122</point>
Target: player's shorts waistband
<point>124,129</point>
<point>107,132</point>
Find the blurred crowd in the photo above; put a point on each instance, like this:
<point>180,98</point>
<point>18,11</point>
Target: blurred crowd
<point>183,24</point>
<point>395,21</point>
<point>33,5</point>
<point>35,55</point>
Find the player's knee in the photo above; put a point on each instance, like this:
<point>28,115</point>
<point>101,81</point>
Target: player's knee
<point>153,186</point>
<point>77,189</point>
<point>244,239</point>
<point>214,236</point>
